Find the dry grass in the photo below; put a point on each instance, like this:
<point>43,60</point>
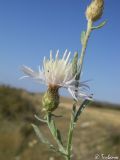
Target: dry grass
<point>97,131</point>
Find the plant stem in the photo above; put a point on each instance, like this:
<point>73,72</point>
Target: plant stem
<point>70,136</point>
<point>87,34</point>
<point>73,117</point>
<point>70,133</point>
<point>51,125</point>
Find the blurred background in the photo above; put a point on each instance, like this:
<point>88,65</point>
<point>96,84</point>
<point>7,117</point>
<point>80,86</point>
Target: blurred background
<point>28,31</point>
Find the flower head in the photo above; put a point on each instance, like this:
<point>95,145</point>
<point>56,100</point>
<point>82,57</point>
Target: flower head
<point>56,73</point>
<point>94,10</point>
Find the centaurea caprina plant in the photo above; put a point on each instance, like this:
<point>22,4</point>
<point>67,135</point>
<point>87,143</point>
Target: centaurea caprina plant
<point>56,73</point>
<point>59,72</point>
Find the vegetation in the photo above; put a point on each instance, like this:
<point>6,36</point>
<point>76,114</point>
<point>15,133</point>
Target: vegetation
<point>97,132</point>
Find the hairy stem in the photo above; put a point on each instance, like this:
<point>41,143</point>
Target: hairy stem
<point>87,34</point>
<point>69,141</point>
<point>71,128</point>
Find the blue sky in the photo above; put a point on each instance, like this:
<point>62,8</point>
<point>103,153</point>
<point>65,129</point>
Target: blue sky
<point>29,29</point>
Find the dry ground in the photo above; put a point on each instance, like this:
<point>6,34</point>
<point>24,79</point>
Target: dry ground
<point>97,132</point>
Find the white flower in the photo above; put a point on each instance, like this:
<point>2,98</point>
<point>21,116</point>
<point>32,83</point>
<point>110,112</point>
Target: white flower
<point>57,72</point>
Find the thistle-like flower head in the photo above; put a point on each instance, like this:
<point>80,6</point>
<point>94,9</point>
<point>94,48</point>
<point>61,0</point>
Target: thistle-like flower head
<point>55,73</point>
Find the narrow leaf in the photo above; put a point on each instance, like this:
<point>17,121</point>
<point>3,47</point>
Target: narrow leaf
<point>44,140</point>
<point>53,128</point>
<point>39,134</point>
<point>39,119</point>
<point>59,136</point>
<point>99,26</point>
<point>79,111</point>
<point>55,132</point>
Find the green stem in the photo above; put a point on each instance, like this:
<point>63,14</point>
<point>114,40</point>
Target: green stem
<point>87,34</point>
<point>84,45</point>
<point>70,136</point>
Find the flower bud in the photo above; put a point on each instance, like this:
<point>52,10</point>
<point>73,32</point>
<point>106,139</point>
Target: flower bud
<point>50,99</point>
<point>94,10</point>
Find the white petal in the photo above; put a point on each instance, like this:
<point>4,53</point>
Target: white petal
<point>64,55</point>
<point>72,93</point>
<point>50,55</point>
<point>66,61</point>
<point>23,77</point>
<point>35,75</point>
<point>57,54</point>
<point>39,68</point>
<point>28,71</point>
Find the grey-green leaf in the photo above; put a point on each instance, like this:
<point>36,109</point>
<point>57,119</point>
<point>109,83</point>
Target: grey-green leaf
<point>39,119</point>
<point>59,136</point>
<point>53,128</point>
<point>99,26</point>
<point>39,134</point>
<point>79,111</point>
<point>55,131</point>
